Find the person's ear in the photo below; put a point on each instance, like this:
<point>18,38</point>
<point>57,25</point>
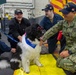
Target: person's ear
<point>75,12</point>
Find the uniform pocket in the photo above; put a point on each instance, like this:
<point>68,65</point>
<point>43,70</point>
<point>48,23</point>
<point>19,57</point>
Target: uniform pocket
<point>73,57</point>
<point>74,33</point>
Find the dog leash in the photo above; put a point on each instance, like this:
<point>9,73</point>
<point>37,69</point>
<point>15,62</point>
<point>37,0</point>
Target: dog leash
<point>9,36</point>
<point>27,41</point>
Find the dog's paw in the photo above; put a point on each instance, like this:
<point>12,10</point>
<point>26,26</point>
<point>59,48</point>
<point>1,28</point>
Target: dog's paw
<point>40,65</point>
<point>27,71</point>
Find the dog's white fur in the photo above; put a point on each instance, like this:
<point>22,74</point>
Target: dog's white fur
<point>29,54</point>
<point>4,64</point>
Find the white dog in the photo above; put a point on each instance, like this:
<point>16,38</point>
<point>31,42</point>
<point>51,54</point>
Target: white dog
<point>28,50</point>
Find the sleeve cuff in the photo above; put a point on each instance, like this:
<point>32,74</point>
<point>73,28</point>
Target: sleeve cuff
<point>70,52</point>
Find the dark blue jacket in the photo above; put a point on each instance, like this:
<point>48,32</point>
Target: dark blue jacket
<point>4,47</point>
<point>47,24</point>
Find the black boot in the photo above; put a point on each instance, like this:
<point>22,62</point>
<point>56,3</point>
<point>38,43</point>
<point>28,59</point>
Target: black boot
<point>74,73</point>
<point>68,72</point>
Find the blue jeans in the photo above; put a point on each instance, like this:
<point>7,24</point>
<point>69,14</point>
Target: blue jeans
<point>52,43</point>
<point>4,47</point>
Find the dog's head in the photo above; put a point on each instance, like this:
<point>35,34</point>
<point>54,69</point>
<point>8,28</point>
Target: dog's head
<point>34,32</point>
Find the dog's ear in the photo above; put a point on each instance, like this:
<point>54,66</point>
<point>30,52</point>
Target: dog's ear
<point>39,28</point>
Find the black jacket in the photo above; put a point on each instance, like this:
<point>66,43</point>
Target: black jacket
<point>16,29</point>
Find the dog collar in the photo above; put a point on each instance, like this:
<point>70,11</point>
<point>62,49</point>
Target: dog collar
<point>30,43</point>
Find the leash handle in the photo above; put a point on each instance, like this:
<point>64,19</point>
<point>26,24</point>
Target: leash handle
<point>9,36</point>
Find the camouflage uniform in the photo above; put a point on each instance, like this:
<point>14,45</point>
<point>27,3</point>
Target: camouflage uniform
<point>69,31</point>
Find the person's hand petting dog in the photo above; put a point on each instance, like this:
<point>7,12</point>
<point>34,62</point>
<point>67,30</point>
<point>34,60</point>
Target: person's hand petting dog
<point>13,50</point>
<point>64,54</point>
<point>42,42</point>
<point>20,38</point>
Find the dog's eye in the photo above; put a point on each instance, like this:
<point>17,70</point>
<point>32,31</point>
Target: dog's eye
<point>39,28</point>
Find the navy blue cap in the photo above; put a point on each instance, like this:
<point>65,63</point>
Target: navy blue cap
<point>48,7</point>
<point>17,11</point>
<point>69,7</point>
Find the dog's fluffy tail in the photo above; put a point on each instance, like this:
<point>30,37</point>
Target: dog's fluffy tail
<point>4,62</point>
